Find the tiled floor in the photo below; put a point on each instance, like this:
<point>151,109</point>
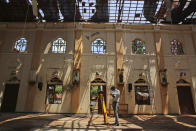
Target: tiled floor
<point>61,122</point>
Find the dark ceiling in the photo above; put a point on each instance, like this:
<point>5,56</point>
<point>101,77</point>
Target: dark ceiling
<point>113,11</point>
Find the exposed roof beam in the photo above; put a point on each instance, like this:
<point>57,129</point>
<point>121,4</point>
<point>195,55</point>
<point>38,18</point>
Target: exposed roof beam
<point>35,11</point>
<point>120,9</point>
<point>169,8</point>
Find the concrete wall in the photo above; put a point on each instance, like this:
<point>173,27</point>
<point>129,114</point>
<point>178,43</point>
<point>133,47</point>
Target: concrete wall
<point>118,37</point>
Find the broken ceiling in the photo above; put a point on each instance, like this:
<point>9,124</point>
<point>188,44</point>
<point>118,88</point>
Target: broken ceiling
<point>113,11</point>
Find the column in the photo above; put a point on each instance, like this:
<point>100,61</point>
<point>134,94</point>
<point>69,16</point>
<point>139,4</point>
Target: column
<point>36,56</point>
<point>161,65</point>
<point>75,96</point>
<point>120,64</point>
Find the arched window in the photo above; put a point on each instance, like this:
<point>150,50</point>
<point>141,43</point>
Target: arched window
<point>176,48</point>
<point>138,47</point>
<point>59,46</point>
<point>98,46</point>
<point>20,45</point>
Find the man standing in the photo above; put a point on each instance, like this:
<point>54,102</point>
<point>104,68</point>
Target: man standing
<point>116,98</point>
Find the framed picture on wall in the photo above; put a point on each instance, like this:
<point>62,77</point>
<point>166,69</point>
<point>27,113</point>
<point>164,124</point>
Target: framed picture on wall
<point>120,76</point>
<point>163,77</point>
<point>76,76</point>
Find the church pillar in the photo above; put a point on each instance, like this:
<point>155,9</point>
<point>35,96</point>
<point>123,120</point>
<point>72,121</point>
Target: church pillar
<point>2,34</point>
<point>75,96</point>
<point>36,56</point>
<point>161,67</point>
<point>120,79</point>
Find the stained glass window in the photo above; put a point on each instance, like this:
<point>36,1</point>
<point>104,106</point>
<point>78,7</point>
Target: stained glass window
<point>59,46</point>
<point>20,45</point>
<point>98,46</point>
<point>176,48</point>
<point>138,47</point>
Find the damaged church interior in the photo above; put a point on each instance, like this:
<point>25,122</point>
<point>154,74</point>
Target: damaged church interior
<point>56,54</point>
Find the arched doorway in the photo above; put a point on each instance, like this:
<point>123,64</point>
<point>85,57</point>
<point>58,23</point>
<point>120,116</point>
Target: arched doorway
<point>95,87</point>
<point>142,94</point>
<point>54,90</point>
<point>10,97</point>
<point>185,97</point>
<point>10,94</point>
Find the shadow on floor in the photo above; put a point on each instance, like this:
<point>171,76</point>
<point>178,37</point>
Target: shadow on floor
<point>161,122</point>
<point>70,122</point>
<point>29,121</point>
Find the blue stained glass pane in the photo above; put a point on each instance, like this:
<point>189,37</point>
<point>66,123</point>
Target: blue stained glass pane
<point>98,46</point>
<point>20,45</point>
<point>59,46</point>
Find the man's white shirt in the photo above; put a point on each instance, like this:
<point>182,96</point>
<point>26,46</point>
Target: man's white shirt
<point>116,94</point>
